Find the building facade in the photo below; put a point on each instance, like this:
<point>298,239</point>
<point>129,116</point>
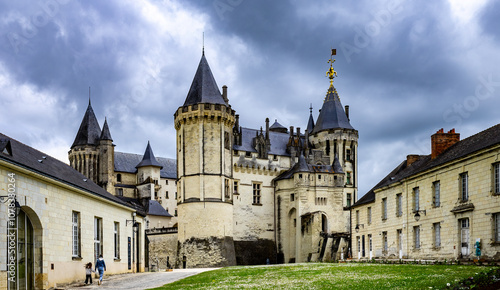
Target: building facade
<point>62,219</point>
<point>445,205</point>
<point>238,195</point>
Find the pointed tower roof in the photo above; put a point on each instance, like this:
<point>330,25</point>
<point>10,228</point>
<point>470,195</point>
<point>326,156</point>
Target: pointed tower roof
<point>106,135</point>
<point>310,123</point>
<point>332,114</point>
<point>89,132</point>
<point>337,168</point>
<point>277,127</point>
<point>149,158</point>
<point>204,89</point>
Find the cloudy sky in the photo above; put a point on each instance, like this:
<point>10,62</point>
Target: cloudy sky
<point>406,68</point>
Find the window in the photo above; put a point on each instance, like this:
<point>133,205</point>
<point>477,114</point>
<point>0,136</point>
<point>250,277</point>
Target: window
<point>348,154</point>
<point>399,204</point>
<point>248,154</point>
<point>384,241</point>
<point>348,178</point>
<point>496,178</point>
<point>416,237</point>
<point>166,195</point>
<point>226,188</point>
<point>176,195</point>
<point>496,220</point>
<point>166,182</point>
<point>348,204</point>
<point>437,234</point>
<point>119,191</point>
<point>359,244</point>
<point>292,197</point>
<point>357,217</point>
<point>118,177</point>
<point>300,175</point>
<point>97,237</point>
<point>235,186</point>
<point>416,199</point>
<point>319,177</point>
<point>384,208</point>
<point>327,149</point>
<point>116,234</point>
<point>369,215</point>
<point>464,186</point>
<point>76,234</point>
<point>256,193</point>
<point>436,193</point>
<point>175,213</point>
<point>370,243</point>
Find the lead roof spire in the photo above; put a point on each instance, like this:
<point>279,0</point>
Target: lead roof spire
<point>89,132</point>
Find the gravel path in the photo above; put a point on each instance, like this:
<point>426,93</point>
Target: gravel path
<point>139,280</point>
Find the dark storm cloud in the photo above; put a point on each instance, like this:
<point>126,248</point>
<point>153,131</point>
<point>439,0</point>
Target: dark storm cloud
<point>405,68</point>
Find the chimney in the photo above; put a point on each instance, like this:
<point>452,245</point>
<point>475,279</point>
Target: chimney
<point>237,121</point>
<point>410,159</point>
<point>347,112</point>
<point>291,131</point>
<point>441,141</point>
<point>267,128</point>
<point>224,93</point>
<point>298,132</point>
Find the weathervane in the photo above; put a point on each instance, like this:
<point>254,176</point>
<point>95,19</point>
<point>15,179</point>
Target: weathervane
<point>331,73</point>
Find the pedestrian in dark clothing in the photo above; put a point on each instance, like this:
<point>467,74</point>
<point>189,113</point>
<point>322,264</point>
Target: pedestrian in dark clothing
<point>101,267</point>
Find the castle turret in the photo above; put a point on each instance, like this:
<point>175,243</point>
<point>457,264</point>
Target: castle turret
<point>84,153</point>
<point>204,126</point>
<point>333,136</point>
<point>106,158</point>
<point>148,177</point>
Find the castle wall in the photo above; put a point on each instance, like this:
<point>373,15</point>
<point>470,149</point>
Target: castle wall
<point>162,249</point>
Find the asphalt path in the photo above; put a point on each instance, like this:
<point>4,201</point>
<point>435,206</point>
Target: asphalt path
<point>139,280</point>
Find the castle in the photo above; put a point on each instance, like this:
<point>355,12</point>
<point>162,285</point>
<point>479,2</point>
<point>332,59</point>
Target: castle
<point>239,195</point>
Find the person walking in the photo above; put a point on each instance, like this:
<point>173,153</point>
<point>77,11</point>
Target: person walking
<point>88,273</point>
<point>101,267</point>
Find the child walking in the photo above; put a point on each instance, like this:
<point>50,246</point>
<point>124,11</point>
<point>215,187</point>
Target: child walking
<point>101,267</point>
<point>88,273</point>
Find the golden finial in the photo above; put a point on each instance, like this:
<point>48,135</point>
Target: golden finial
<point>331,73</point>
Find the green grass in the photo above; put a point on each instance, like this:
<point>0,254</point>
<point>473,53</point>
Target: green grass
<point>329,276</point>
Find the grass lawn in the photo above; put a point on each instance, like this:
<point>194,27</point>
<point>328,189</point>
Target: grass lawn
<point>329,276</point>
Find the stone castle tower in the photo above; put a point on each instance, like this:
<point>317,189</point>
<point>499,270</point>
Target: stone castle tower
<point>92,152</point>
<point>204,127</point>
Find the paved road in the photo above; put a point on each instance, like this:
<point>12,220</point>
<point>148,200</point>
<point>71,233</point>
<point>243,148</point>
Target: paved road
<point>140,280</point>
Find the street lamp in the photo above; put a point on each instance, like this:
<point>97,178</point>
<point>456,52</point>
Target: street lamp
<point>17,206</point>
<point>357,227</point>
<point>417,215</point>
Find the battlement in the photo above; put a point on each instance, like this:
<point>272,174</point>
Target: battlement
<point>192,113</point>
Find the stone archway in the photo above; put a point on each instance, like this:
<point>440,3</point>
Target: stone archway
<point>29,251</point>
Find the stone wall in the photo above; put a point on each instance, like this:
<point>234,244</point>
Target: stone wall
<point>206,252</point>
<point>162,249</point>
<point>255,252</point>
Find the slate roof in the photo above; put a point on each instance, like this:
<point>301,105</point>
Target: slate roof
<point>105,134</point>
<point>89,131</point>
<point>310,124</point>
<point>278,141</point>
<point>482,140</point>
<point>155,208</point>
<point>276,126</point>
<point>332,114</point>
<point>126,162</point>
<point>302,166</point>
<point>148,158</point>
<point>41,163</point>
<point>204,89</point>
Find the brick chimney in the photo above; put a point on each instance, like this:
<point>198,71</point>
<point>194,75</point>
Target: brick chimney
<point>441,141</point>
<point>410,159</point>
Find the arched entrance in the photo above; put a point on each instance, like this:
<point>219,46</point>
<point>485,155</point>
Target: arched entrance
<point>29,251</point>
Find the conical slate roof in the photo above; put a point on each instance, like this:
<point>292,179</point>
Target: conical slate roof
<point>332,115</point>
<point>310,124</point>
<point>204,89</point>
<point>337,168</point>
<point>106,135</point>
<point>149,159</point>
<point>89,132</point>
